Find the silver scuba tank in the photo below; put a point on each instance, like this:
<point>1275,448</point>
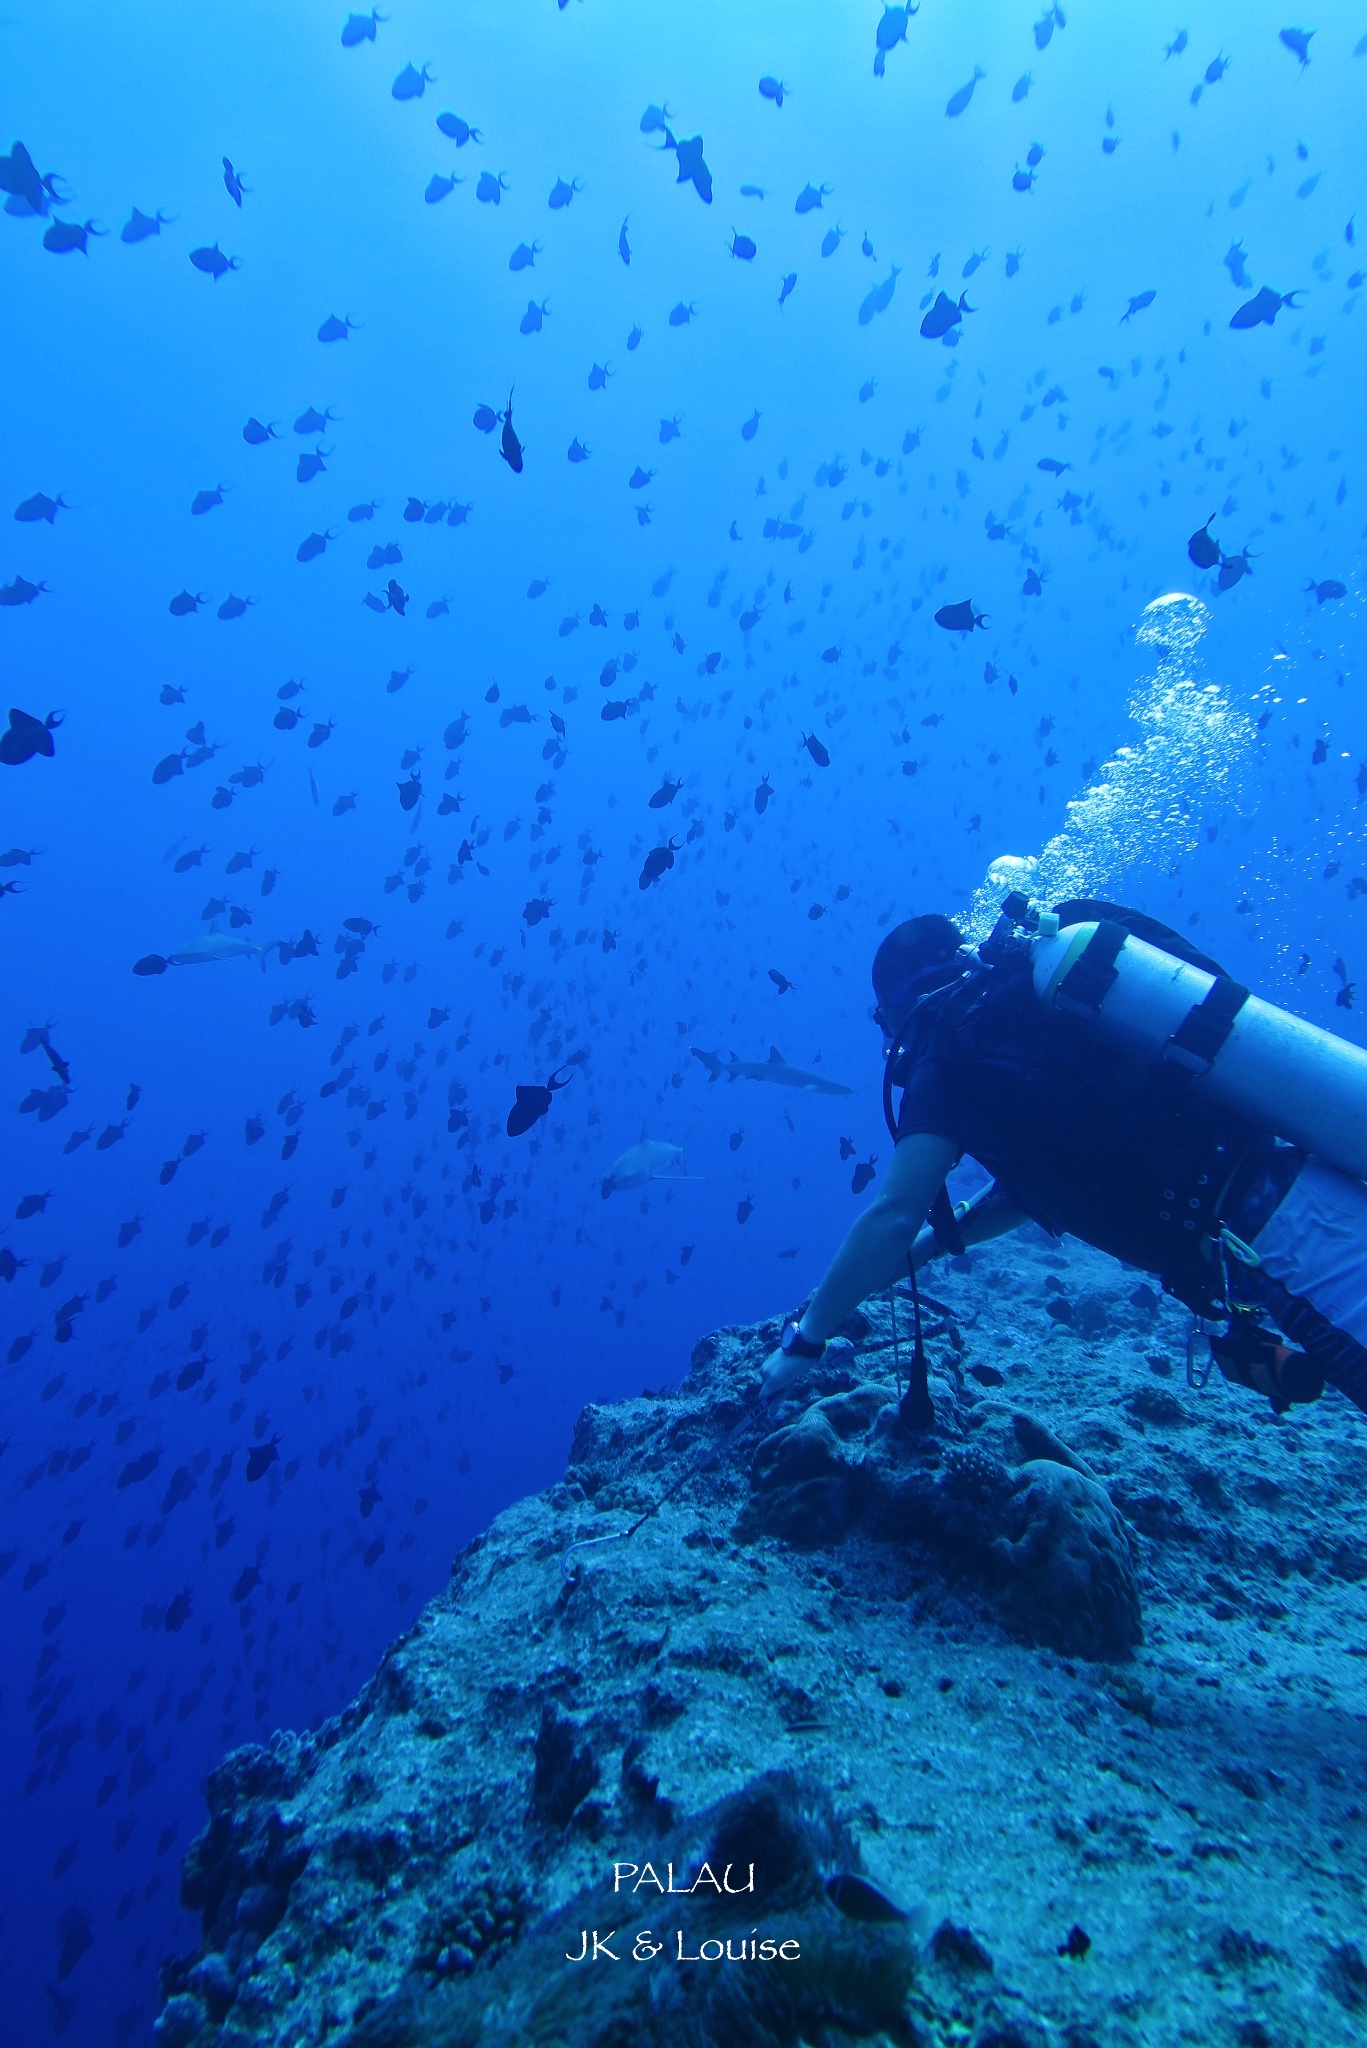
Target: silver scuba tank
<point>1290,1078</point>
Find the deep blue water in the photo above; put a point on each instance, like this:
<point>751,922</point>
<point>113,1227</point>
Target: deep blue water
<point>401,1327</point>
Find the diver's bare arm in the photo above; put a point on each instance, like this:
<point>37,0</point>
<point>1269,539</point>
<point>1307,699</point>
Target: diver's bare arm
<point>875,1249</point>
<point>987,1215</point>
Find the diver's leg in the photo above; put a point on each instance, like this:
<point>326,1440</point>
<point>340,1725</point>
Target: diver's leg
<point>1314,1249</point>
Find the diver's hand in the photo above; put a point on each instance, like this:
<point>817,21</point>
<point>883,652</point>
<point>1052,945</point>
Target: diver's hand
<point>782,1371</point>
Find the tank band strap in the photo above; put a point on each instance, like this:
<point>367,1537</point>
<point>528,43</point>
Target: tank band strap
<point>1202,1033</point>
<point>1090,978</point>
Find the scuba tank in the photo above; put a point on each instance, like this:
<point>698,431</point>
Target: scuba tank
<point>1290,1078</point>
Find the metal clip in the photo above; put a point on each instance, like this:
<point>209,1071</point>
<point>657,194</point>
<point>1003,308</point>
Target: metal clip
<point>1197,1375</point>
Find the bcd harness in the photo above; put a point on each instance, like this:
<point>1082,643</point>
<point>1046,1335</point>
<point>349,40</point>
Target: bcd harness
<point>1197,1270</point>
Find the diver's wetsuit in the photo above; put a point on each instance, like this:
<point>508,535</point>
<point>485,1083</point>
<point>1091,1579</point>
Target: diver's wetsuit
<point>1131,1161</point>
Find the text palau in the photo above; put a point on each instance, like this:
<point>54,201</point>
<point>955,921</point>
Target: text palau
<point>647,1878</point>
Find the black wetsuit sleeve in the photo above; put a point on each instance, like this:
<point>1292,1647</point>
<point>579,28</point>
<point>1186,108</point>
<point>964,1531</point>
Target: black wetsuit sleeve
<point>931,1103</point>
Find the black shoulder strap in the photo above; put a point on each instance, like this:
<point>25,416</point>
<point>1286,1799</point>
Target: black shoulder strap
<point>1089,979</point>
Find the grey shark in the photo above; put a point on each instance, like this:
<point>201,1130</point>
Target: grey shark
<point>652,1159</point>
<point>221,946</point>
<point>775,1069</point>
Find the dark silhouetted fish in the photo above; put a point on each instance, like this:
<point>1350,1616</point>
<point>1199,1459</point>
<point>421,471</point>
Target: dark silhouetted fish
<point>66,237</point>
<point>533,1103</point>
<point>458,131</point>
<point>811,196</point>
<point>1262,309</point>
<point>411,84</point>
<point>658,862</point>
<point>213,262</point>
<point>958,101</point>
<point>260,1458</point>
<point>1204,551</point>
<point>312,421</point>
<point>42,507</point>
<point>510,448</point>
<point>944,315</point>
<point>692,168</point>
<point>28,736</point>
<point>360,28</point>
<point>959,618</point>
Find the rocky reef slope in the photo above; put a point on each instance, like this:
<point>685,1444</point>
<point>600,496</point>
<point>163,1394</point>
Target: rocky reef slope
<point>1048,1726</point>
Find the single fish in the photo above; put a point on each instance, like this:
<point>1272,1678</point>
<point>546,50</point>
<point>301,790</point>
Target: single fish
<point>458,131</point>
<point>213,262</point>
<point>775,1069</point>
<point>1263,308</point>
<point>958,101</point>
<point>412,84</point>
<point>1203,549</point>
<point>360,28</point>
<point>27,737</point>
<point>533,1103</point>
<point>944,315</point>
<point>651,1159</point>
<point>960,618</point>
<point>510,448</point>
<point>139,226</point>
<point>220,946</point>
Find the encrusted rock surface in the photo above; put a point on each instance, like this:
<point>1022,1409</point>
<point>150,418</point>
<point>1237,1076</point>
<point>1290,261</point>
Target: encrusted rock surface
<point>1078,1679</point>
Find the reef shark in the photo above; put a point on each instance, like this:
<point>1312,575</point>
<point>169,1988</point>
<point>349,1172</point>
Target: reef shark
<point>221,946</point>
<point>775,1069</point>
<point>652,1159</point>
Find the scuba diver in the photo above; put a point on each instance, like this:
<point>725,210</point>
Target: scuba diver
<point>1118,1086</point>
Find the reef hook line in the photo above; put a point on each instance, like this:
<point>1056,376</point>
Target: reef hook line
<point>700,1465</point>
